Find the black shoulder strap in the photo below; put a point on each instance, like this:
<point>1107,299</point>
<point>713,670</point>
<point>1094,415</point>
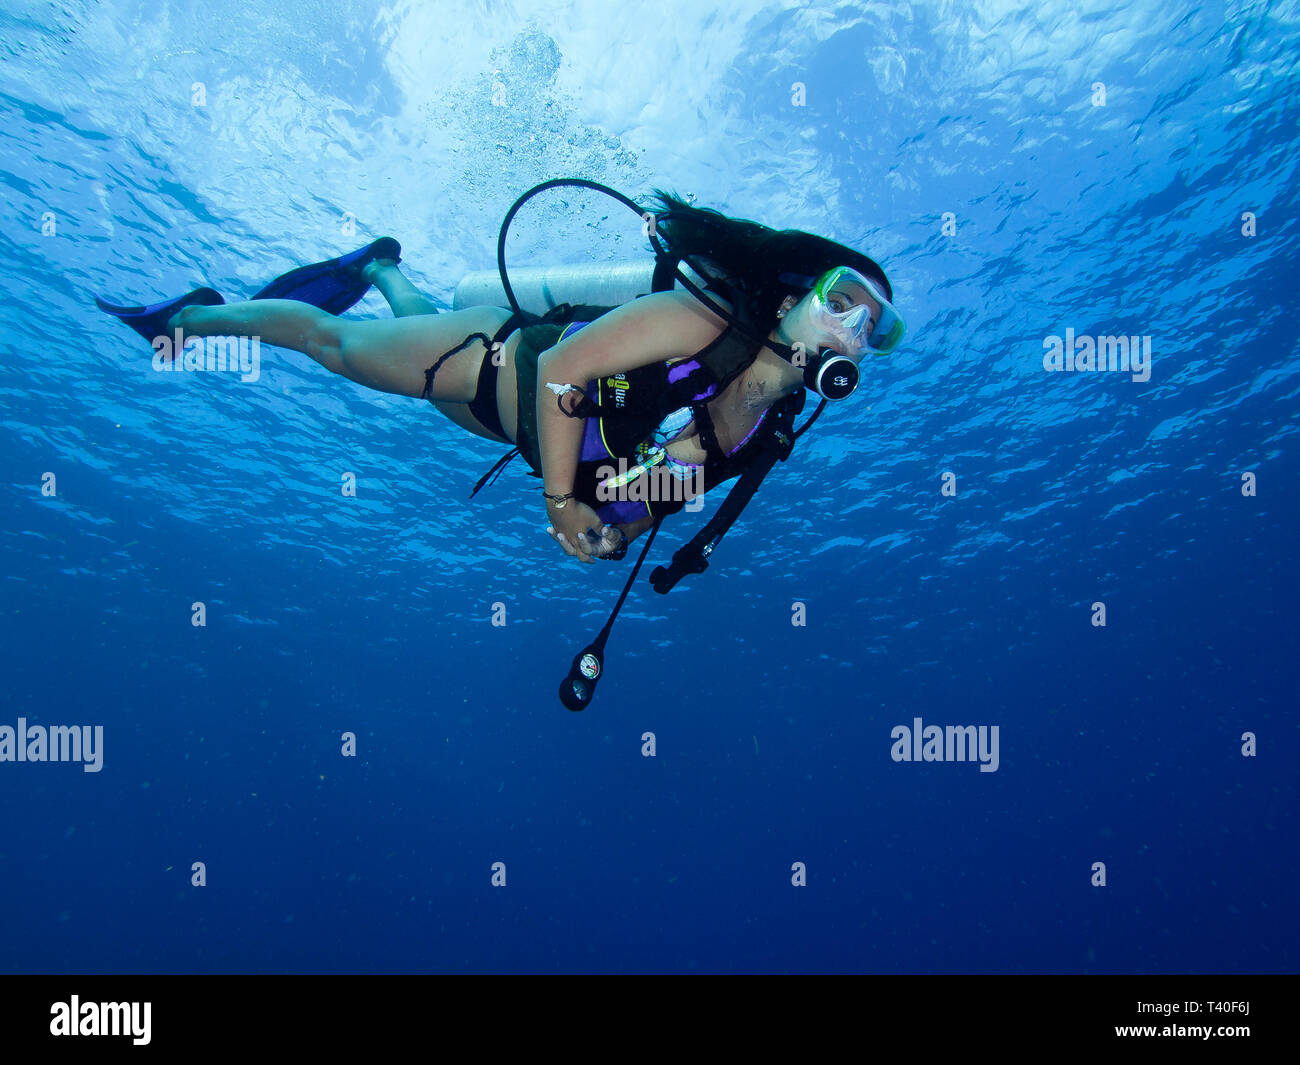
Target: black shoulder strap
<point>777,443</point>
<point>665,273</point>
<point>708,435</point>
<point>731,352</point>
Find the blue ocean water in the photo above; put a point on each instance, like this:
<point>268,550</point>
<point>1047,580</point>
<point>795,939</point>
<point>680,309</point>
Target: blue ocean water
<point>1019,170</point>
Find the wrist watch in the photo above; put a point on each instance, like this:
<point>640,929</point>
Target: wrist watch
<point>560,501</point>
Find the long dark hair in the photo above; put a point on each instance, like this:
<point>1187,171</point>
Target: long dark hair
<point>754,257</point>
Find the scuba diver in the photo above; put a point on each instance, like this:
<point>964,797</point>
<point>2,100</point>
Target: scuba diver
<point>607,405</point>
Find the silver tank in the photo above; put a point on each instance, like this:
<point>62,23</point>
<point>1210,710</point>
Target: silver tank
<point>539,288</point>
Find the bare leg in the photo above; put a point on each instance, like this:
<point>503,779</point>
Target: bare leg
<point>388,356</point>
<point>403,298</point>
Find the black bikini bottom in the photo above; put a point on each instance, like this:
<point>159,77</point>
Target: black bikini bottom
<point>536,335</point>
<point>484,404</point>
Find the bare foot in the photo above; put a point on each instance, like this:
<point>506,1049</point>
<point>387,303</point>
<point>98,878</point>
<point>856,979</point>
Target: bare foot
<point>374,266</point>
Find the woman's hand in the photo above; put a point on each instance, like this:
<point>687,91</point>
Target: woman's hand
<point>572,526</point>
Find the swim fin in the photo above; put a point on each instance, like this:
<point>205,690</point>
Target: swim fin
<point>334,285</point>
<point>151,321</point>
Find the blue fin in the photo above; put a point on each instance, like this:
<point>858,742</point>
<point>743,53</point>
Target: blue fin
<point>334,285</point>
<point>151,321</point>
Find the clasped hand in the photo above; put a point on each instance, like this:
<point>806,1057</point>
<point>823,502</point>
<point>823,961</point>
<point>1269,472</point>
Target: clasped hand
<point>583,535</point>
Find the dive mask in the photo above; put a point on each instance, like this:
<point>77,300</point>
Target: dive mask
<point>855,318</point>
<point>854,313</point>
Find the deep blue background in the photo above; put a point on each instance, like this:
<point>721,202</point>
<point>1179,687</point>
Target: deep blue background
<point>372,614</point>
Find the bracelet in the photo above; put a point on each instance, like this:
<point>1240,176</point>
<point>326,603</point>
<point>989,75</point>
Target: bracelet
<point>583,408</point>
<point>560,501</point>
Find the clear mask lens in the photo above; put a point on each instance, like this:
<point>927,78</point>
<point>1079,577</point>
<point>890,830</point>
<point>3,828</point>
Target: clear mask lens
<point>855,314</point>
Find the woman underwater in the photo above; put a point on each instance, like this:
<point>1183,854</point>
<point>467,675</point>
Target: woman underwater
<point>665,383</point>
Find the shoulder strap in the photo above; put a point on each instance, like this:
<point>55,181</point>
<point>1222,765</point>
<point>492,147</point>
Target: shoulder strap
<point>732,352</point>
<point>708,435</point>
<point>665,273</point>
<point>776,444</point>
